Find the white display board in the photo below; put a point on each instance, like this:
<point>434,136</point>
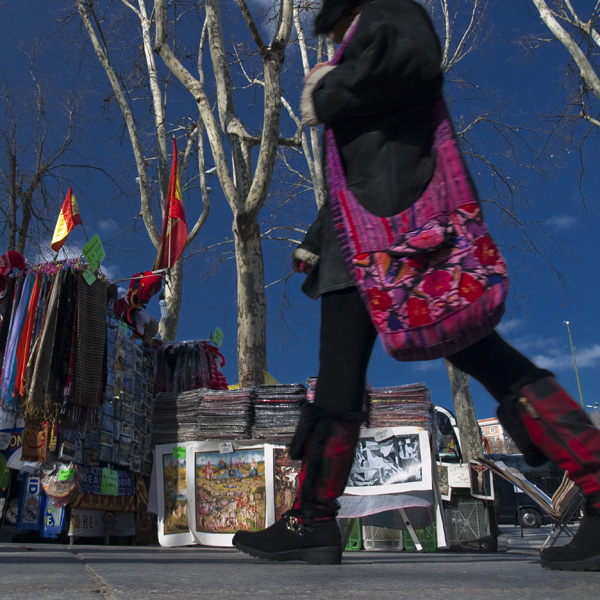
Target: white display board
<point>391,460</point>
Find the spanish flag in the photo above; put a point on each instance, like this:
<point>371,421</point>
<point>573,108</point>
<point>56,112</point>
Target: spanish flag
<point>67,221</point>
<point>174,231</point>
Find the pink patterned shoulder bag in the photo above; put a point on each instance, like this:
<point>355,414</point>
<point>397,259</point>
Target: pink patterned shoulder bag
<point>432,277</point>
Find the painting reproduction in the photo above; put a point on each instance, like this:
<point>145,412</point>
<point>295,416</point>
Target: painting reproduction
<point>286,480</point>
<point>388,461</point>
<point>175,495</point>
<point>230,491</point>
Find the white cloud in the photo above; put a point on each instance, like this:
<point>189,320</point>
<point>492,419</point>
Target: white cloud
<point>562,222</point>
<point>108,226</point>
<point>109,272</point>
<point>508,326</point>
<point>66,252</point>
<point>528,344</point>
<point>563,359</point>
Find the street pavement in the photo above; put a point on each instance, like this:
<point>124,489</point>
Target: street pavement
<point>63,572</point>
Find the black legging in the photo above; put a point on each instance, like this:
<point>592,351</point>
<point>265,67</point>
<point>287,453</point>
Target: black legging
<point>346,342</point>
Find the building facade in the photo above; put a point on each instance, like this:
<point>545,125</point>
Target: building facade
<point>495,438</point>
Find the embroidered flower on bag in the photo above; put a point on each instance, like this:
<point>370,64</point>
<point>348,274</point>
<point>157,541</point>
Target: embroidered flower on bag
<point>430,237</point>
<point>472,208</point>
<point>379,300</point>
<point>469,288</point>
<point>486,252</point>
<point>436,284</point>
<point>418,312</point>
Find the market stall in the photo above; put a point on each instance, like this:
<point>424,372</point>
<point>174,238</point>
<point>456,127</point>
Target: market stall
<point>77,392</point>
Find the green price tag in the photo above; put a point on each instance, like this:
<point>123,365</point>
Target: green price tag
<point>218,337</point>
<point>179,452</point>
<point>93,252</point>
<point>110,482</point>
<point>66,475</point>
<point>123,326</point>
<point>89,277</point>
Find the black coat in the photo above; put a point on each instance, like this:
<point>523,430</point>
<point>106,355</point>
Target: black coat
<point>378,100</point>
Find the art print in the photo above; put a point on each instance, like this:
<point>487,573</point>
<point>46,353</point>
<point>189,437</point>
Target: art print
<point>391,460</point>
<point>286,473</point>
<point>175,495</point>
<point>481,481</point>
<point>230,491</point>
<point>443,482</point>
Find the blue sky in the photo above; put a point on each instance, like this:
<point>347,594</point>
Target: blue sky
<point>537,308</point>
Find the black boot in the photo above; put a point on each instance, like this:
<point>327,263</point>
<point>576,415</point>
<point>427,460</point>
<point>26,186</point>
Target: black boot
<point>561,429</point>
<point>582,553</point>
<point>289,539</point>
<point>309,531</point>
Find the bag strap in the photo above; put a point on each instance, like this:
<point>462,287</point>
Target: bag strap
<point>340,51</point>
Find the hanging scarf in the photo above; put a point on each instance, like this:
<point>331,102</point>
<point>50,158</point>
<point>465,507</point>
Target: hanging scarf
<point>9,374</point>
<point>34,405</point>
<point>26,336</point>
<point>7,315</point>
<point>91,337</point>
<point>46,286</point>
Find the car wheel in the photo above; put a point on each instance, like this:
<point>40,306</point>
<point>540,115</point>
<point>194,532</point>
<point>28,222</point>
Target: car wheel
<point>529,517</point>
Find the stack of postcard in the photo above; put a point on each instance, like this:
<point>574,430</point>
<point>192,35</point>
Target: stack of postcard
<point>226,414</point>
<point>176,416</point>
<point>277,410</point>
<point>404,405</point>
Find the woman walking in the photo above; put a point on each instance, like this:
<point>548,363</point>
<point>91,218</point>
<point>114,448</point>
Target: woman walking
<point>379,97</point>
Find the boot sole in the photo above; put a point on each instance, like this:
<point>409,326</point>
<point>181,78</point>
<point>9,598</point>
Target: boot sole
<point>589,564</point>
<point>327,555</point>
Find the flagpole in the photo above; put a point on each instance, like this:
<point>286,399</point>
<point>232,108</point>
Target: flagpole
<point>85,232</point>
<point>171,192</point>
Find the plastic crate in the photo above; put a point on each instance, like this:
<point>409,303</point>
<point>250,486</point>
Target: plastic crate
<point>427,537</point>
<point>468,525</point>
<point>382,538</point>
<point>355,540</point>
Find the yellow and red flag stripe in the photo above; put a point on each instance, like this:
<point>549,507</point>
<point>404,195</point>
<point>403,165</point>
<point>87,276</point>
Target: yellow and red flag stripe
<point>68,219</point>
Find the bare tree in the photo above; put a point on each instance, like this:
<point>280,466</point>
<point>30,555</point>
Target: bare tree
<point>245,183</point>
<point>100,23</point>
<point>580,35</point>
<point>37,136</point>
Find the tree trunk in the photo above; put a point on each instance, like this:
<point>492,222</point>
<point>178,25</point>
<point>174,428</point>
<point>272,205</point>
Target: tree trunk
<point>173,296</point>
<point>470,436</point>
<point>252,339</point>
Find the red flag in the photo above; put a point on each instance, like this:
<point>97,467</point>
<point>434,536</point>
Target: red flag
<point>174,231</point>
<point>68,219</point>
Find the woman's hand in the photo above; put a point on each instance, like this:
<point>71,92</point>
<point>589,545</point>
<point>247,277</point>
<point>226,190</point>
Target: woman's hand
<point>300,266</point>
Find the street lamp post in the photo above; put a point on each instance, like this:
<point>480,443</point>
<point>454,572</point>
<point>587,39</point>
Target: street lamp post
<point>574,361</point>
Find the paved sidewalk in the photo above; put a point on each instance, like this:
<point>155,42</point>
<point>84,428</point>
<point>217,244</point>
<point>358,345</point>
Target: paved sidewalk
<point>49,572</point>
